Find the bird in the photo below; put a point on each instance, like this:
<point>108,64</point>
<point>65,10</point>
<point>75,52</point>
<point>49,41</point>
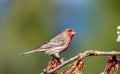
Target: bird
<point>56,45</point>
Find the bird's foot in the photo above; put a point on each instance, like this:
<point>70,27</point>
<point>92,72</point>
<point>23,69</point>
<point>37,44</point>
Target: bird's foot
<point>62,60</point>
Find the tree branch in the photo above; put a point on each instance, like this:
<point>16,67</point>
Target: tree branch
<point>81,56</point>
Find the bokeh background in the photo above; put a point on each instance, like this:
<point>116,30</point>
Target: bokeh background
<point>25,24</point>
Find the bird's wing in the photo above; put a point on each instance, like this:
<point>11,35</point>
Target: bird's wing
<point>51,44</point>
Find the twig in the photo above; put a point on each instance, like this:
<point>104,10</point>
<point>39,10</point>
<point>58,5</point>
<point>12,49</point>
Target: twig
<point>83,55</point>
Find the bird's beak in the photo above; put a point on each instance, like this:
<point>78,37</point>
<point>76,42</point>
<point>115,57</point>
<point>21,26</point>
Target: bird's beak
<point>73,32</point>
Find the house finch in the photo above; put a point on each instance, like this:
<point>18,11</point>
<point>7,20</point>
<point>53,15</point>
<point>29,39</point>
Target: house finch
<point>56,45</point>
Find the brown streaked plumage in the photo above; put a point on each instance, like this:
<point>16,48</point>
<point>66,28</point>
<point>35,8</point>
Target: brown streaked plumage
<point>56,45</point>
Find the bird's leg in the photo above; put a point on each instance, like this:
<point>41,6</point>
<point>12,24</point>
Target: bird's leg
<point>56,55</point>
<point>62,60</point>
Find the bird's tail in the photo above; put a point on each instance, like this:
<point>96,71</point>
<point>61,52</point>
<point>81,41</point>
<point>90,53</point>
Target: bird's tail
<point>28,52</point>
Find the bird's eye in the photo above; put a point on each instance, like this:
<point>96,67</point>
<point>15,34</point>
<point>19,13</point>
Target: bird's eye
<point>69,30</point>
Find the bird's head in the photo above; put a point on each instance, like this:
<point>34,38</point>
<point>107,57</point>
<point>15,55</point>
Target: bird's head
<point>69,32</point>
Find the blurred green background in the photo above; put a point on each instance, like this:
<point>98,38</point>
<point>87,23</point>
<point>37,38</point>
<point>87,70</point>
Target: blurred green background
<point>25,24</point>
